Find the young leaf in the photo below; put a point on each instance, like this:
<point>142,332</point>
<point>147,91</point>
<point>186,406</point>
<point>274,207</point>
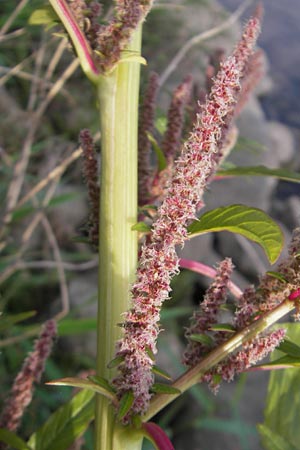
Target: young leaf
<point>251,223</point>
<point>126,403</point>
<point>44,16</point>
<point>261,171</point>
<point>157,436</point>
<point>161,160</point>
<point>11,439</point>
<point>66,424</point>
<point>6,321</point>
<point>289,348</point>
<point>203,339</point>
<point>223,327</point>
<point>115,362</point>
<point>276,275</point>
<point>282,414</point>
<point>103,382</point>
<point>160,388</point>
<point>285,362</point>
<point>161,373</point>
<point>141,226</point>
<point>85,384</point>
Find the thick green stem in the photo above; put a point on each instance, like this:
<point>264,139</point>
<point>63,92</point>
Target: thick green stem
<point>118,104</point>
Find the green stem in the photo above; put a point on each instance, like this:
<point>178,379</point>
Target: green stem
<point>118,103</point>
<point>192,376</point>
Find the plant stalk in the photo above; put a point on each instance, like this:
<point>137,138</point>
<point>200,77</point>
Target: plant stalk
<point>118,103</point>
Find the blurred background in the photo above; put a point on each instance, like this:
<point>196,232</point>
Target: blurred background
<point>46,263</point>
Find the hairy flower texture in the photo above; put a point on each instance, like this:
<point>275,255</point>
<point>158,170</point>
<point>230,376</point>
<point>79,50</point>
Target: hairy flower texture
<point>172,138</point>
<point>90,174</point>
<point>207,315</point>
<point>253,75</point>
<point>113,38</point>
<point>159,261</point>
<point>274,287</point>
<point>86,14</point>
<point>251,353</point>
<point>31,372</point>
<point>146,122</point>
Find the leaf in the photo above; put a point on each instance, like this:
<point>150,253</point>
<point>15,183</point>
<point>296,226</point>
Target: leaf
<point>261,171</point>
<point>161,373</point>
<point>13,440</point>
<point>276,275</point>
<point>76,326</point>
<point>160,388</point>
<point>103,382</point>
<point>161,159</point>
<point>223,327</point>
<point>6,321</point>
<point>126,403</point>
<point>141,226</point>
<point>281,363</point>
<point>290,348</point>
<point>282,411</point>
<point>115,362</point>
<point>157,436</point>
<point>84,384</point>
<point>203,339</point>
<point>251,223</point>
<point>273,441</point>
<point>66,424</point>
<point>44,16</point>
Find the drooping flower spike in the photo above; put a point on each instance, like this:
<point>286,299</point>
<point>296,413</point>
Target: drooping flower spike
<point>159,261</point>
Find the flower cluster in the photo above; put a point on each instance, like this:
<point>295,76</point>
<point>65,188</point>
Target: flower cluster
<point>31,372</point>
<point>159,261</point>
<point>90,174</point>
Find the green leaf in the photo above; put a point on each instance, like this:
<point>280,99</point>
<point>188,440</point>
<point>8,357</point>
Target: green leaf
<point>115,362</point>
<point>282,411</point>
<point>141,226</point>
<point>251,223</point>
<point>261,171</point>
<point>203,339</point>
<point>6,321</point>
<point>276,275</point>
<point>160,388</point>
<point>223,327</point>
<point>273,441</point>
<point>84,384</point>
<point>103,382</point>
<point>13,440</point>
<point>161,160</point>
<point>44,16</point>
<point>76,326</point>
<point>66,424</point>
<point>126,403</point>
<point>281,363</point>
<point>289,348</point>
<point>161,373</point>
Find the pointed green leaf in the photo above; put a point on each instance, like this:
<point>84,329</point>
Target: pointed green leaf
<point>251,223</point>
<point>84,384</point>
<point>161,159</point>
<point>290,348</point>
<point>276,275</point>
<point>103,382</point>
<point>281,363</point>
<point>150,353</point>
<point>160,388</point>
<point>141,226</point>
<point>282,411</point>
<point>13,440</point>
<point>66,424</point>
<point>261,171</point>
<point>115,362</point>
<point>126,403</point>
<point>272,440</point>
<point>161,373</point>
<point>6,321</point>
<point>202,338</point>
<point>44,16</point>
<point>223,327</point>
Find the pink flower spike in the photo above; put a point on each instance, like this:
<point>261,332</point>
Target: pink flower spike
<point>157,436</point>
<point>207,271</point>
